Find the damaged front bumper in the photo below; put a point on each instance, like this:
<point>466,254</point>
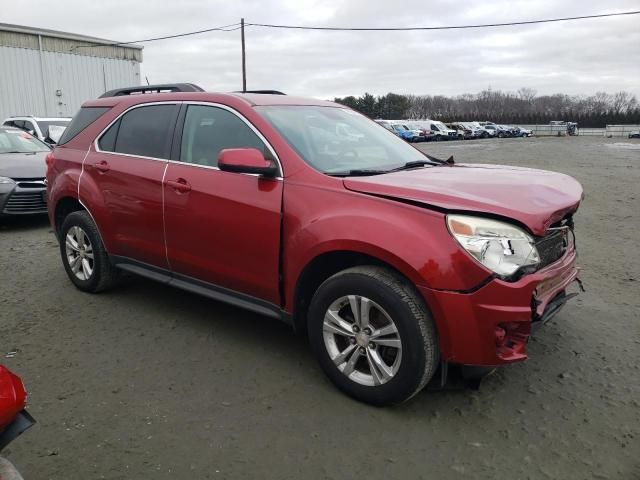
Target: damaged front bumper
<point>491,326</point>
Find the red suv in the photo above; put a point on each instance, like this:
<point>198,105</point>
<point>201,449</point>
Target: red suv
<point>395,263</point>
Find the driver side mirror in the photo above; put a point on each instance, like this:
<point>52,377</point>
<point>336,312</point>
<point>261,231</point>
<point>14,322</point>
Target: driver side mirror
<point>246,160</point>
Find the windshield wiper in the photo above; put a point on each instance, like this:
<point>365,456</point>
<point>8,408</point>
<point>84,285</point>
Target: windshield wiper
<point>415,164</point>
<point>357,173</point>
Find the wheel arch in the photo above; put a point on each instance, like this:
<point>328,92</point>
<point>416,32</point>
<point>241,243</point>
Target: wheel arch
<point>64,207</point>
<point>328,263</point>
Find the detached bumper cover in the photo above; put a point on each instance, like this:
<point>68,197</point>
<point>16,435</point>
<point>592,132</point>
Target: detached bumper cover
<point>469,323</point>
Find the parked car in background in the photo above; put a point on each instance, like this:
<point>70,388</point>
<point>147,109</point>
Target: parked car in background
<point>425,133</point>
<point>441,131</point>
<point>45,129</point>
<point>22,173</point>
<point>522,132</point>
<point>394,263</point>
<point>635,134</point>
<point>406,133</point>
<point>500,131</point>
<point>479,130</point>
<point>464,132</point>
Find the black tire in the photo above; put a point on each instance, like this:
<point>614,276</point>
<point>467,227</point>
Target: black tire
<point>103,275</point>
<point>485,134</point>
<point>500,135</point>
<point>420,354</point>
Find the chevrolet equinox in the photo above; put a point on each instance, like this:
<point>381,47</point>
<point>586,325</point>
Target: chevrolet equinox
<point>395,263</point>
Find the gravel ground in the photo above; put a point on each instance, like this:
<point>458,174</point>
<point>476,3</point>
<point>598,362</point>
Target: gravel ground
<point>149,382</point>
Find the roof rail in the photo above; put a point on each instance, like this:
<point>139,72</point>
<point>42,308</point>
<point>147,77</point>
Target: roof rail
<point>162,88</point>
<point>264,92</point>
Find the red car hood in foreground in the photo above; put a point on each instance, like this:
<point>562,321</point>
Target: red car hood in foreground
<point>12,397</point>
<point>535,198</point>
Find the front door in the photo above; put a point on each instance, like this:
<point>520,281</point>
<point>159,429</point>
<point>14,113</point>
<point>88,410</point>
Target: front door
<point>127,168</point>
<point>221,227</point>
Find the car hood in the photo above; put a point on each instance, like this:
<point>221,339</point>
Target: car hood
<point>535,198</point>
<point>23,165</point>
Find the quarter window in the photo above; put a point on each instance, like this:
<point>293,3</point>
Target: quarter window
<point>85,117</point>
<point>208,130</point>
<point>107,142</point>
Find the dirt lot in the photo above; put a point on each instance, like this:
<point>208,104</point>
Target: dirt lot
<point>150,382</point>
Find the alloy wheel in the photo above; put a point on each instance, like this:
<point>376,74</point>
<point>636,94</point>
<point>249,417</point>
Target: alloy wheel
<point>362,340</point>
<point>79,252</point>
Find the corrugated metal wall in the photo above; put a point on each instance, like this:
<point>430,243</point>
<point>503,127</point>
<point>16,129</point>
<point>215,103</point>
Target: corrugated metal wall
<point>60,84</point>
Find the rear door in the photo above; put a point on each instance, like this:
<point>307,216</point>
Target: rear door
<point>221,227</point>
<point>127,168</point>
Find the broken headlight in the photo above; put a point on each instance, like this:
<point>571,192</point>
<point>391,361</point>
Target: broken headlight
<point>501,247</point>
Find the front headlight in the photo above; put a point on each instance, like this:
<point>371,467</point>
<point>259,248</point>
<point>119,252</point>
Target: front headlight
<point>6,180</point>
<point>501,247</point>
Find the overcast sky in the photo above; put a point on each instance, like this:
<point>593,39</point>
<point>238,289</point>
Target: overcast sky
<point>579,57</point>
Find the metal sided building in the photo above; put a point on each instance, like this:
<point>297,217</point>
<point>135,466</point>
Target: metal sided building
<point>47,73</point>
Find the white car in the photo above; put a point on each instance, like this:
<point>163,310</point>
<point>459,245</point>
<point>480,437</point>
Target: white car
<point>47,129</point>
<point>441,131</point>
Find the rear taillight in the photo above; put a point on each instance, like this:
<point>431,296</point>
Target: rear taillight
<point>50,160</point>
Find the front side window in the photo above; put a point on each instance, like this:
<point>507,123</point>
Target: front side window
<point>144,131</point>
<point>208,130</point>
<point>311,132</point>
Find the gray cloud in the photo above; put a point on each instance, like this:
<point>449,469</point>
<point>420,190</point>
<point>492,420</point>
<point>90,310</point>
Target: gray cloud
<point>576,58</point>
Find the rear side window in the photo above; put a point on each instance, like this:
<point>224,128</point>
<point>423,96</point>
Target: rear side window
<point>144,131</point>
<point>85,117</point>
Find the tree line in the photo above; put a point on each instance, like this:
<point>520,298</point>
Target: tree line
<point>522,107</point>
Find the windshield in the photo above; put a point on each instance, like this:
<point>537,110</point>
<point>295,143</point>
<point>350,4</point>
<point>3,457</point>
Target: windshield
<point>314,133</point>
<point>17,141</point>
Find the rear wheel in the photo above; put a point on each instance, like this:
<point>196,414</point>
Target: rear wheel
<point>83,254</point>
<point>372,335</point>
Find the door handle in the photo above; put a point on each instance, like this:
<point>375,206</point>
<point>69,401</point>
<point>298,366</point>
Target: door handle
<point>102,166</point>
<point>180,185</point>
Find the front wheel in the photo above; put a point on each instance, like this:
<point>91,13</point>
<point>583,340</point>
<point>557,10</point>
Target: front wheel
<point>373,335</point>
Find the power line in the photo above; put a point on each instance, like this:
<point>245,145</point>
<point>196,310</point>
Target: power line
<point>236,26</point>
<point>483,25</point>
<point>224,28</point>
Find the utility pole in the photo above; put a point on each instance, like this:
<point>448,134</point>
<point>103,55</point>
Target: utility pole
<point>244,62</point>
